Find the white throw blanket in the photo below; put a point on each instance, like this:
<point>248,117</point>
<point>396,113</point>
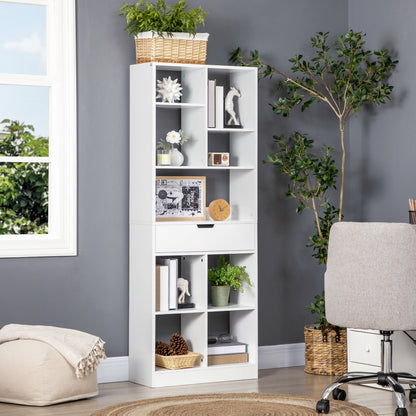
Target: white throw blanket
<point>83,351</point>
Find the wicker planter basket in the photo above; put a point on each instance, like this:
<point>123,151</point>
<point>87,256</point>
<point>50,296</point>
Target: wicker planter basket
<point>325,357</point>
<point>175,362</point>
<point>180,48</point>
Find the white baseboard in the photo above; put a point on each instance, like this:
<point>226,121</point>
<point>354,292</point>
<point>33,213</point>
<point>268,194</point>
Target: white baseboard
<point>279,356</point>
<point>115,369</point>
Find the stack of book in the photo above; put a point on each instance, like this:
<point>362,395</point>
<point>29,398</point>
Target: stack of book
<point>167,273</point>
<point>227,353</point>
<point>166,284</point>
<point>215,105</point>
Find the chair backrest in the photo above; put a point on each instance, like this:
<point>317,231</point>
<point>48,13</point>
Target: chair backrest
<point>370,280</point>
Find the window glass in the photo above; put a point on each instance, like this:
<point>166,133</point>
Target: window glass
<point>29,107</point>
<point>37,113</point>
<point>22,39</point>
<point>24,198</point>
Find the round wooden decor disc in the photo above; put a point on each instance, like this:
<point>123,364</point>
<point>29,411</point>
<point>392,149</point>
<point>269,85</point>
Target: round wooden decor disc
<point>219,210</point>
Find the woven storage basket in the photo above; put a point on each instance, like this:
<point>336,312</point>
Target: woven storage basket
<point>175,362</point>
<point>325,357</point>
<point>180,48</point>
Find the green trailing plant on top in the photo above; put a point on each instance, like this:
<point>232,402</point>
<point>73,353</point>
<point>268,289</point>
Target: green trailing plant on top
<point>160,18</point>
<point>225,274</point>
<point>345,76</point>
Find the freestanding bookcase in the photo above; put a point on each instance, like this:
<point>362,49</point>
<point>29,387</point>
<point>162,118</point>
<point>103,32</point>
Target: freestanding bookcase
<point>196,243</point>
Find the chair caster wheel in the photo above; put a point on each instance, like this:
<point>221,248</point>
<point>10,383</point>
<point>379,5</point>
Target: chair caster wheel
<point>401,411</point>
<point>339,394</point>
<point>412,395</point>
<point>323,406</point>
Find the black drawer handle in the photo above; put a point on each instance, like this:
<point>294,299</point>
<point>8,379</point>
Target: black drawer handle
<point>205,225</point>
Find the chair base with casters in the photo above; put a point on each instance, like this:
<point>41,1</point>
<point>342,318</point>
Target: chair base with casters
<point>386,377</point>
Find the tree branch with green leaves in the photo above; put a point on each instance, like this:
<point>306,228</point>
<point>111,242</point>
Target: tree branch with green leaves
<point>345,82</point>
<point>310,179</point>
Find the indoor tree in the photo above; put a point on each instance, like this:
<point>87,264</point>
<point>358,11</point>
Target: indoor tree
<point>345,82</point>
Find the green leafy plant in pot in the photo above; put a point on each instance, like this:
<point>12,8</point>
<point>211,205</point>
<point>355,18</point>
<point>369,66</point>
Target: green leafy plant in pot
<point>345,82</point>
<point>224,276</point>
<point>150,22</point>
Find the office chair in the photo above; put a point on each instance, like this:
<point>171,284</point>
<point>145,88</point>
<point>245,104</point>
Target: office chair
<point>370,283</point>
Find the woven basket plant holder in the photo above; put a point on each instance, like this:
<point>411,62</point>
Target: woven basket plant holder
<point>180,48</point>
<point>325,356</point>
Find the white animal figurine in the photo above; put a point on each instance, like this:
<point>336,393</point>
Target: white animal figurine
<point>229,106</point>
<point>183,287</point>
<point>168,90</point>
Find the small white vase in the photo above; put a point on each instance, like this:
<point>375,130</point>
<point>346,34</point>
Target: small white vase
<point>176,157</point>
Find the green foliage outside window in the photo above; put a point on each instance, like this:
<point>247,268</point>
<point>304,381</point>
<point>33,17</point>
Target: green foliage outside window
<point>23,185</point>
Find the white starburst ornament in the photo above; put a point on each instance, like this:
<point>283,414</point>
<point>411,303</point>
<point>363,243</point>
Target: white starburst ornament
<point>168,90</point>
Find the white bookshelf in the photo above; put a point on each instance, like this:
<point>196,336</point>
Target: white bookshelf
<point>196,246</point>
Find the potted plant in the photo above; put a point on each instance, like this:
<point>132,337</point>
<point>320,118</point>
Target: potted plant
<point>167,153</point>
<point>223,276</point>
<point>166,33</point>
<point>354,77</point>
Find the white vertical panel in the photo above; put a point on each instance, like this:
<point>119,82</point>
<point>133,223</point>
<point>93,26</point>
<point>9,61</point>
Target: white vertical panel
<point>142,143</point>
<point>141,304</point>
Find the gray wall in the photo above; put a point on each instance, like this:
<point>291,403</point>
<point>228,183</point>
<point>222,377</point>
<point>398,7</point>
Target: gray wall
<point>90,292</point>
<point>382,140</point>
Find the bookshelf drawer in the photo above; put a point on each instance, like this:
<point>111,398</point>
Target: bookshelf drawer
<point>172,238</point>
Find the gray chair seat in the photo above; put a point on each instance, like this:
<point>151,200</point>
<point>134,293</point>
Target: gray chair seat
<point>370,283</point>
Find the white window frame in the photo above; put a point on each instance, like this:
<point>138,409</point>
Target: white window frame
<point>60,77</point>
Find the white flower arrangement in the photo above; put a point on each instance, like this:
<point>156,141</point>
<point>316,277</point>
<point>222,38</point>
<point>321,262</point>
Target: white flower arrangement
<point>172,138</point>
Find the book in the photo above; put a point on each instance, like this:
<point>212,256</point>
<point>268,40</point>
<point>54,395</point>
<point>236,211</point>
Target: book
<point>219,107</point>
<point>172,281</point>
<point>227,348</point>
<point>211,102</point>
<point>162,288</point>
<point>227,359</point>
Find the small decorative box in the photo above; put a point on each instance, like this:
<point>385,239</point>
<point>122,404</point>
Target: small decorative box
<point>219,158</point>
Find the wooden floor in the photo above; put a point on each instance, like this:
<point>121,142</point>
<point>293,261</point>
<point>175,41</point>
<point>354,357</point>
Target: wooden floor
<point>282,380</point>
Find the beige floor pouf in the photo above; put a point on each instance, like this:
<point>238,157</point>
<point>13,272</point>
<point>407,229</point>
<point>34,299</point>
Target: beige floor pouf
<point>34,373</point>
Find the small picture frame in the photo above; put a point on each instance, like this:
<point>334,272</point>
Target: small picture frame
<point>180,198</point>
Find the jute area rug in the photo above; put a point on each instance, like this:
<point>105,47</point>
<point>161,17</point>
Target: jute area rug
<point>249,404</point>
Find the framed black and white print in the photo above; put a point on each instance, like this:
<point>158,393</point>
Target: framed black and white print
<point>180,198</point>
